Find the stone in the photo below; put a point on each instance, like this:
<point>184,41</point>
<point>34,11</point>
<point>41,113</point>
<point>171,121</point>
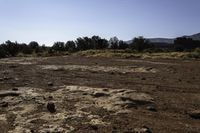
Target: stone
<point>15,89</point>
<point>50,97</point>
<point>50,83</point>
<point>9,93</point>
<point>13,66</point>
<point>51,107</point>
<point>7,78</point>
<point>144,129</point>
<point>100,94</point>
<point>151,108</point>
<point>195,114</point>
<point>94,127</point>
<point>143,78</point>
<point>138,98</point>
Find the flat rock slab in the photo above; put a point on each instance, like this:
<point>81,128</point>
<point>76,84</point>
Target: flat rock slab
<point>9,93</point>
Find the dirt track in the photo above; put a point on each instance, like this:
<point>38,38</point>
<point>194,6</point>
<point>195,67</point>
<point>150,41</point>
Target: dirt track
<point>94,94</point>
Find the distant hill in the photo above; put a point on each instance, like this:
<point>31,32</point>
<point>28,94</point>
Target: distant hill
<point>157,40</point>
<point>161,40</point>
<point>168,41</point>
<point>194,37</point>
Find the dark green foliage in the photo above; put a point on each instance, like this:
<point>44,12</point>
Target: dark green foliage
<point>26,49</point>
<point>3,52</point>
<point>33,45</point>
<point>70,46</point>
<point>99,43</point>
<point>140,44</point>
<point>183,43</point>
<point>114,43</point>
<point>123,45</point>
<point>84,43</point>
<point>12,48</point>
<point>58,46</point>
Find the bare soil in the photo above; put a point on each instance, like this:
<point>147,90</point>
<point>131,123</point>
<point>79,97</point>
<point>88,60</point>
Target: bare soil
<point>96,94</point>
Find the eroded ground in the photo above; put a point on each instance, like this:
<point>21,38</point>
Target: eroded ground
<point>93,94</point>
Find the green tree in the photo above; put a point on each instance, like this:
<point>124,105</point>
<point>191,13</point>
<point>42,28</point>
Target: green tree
<point>84,43</point>
<point>123,45</point>
<point>70,46</point>
<point>3,52</point>
<point>184,43</point>
<point>26,49</point>
<point>12,48</point>
<point>140,44</point>
<point>99,43</point>
<point>114,43</point>
<point>58,46</point>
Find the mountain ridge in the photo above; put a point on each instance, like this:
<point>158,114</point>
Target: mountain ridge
<point>170,40</point>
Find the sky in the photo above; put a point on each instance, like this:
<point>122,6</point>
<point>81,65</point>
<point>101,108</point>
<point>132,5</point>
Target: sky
<point>48,21</point>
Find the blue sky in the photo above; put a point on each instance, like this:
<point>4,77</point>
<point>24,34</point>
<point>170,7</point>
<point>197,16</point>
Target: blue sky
<point>47,21</point>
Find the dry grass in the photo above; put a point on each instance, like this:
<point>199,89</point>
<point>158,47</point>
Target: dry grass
<point>133,54</point>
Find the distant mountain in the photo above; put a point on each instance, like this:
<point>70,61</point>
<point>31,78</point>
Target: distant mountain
<point>157,40</point>
<point>194,37</point>
<point>161,40</point>
<point>167,41</point>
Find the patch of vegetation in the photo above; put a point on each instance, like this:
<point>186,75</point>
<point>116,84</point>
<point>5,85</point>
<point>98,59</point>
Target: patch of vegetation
<point>195,54</point>
<point>97,46</point>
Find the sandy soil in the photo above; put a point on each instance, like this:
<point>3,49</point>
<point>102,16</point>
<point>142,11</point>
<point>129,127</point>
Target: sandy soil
<point>96,94</point>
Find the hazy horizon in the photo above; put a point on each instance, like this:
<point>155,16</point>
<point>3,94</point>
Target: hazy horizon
<point>48,21</point>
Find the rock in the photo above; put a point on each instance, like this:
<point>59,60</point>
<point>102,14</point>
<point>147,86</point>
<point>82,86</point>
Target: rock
<point>25,84</point>
<point>94,127</point>
<point>195,114</point>
<point>143,78</point>
<point>3,126</point>
<point>15,89</point>
<point>129,104</point>
<point>85,93</point>
<point>9,93</point>
<point>138,98</point>
<point>100,94</point>
<point>151,108</point>
<point>51,107</point>
<point>7,78</point>
<point>13,66</point>
<point>50,97</point>
<point>4,104</point>
<point>50,83</point>
<point>144,129</point>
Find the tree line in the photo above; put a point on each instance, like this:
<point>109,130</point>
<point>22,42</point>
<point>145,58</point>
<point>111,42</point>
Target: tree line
<point>140,44</point>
